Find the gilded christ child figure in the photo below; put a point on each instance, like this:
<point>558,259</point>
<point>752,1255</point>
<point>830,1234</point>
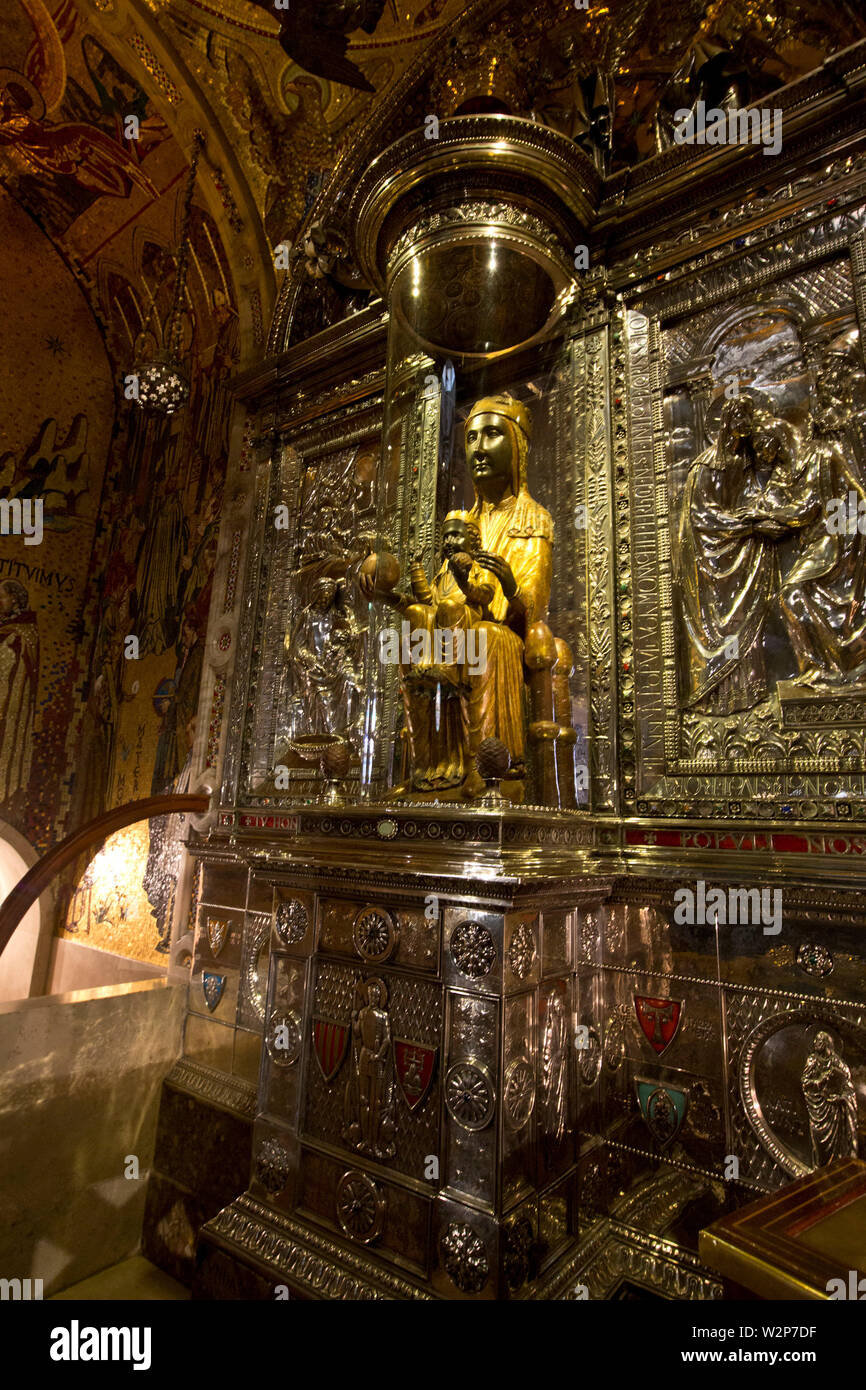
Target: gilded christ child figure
<point>457,598</point>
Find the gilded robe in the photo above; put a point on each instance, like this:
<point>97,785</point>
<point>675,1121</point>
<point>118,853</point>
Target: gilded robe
<point>521,531</point>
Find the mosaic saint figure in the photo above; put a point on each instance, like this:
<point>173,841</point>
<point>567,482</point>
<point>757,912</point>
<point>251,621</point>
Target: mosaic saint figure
<point>831,1101</point>
<point>163,544</point>
<point>19,677</point>
<point>82,152</point>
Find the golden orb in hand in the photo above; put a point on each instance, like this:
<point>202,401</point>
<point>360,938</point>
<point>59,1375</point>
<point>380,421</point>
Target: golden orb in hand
<point>385,569</point>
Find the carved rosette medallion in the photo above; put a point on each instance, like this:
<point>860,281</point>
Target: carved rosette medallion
<point>273,1166</point>
<point>521,951</point>
<point>469,1095</point>
<point>360,1207</point>
<point>464,1258</point>
<point>284,1039</point>
<point>292,921</point>
<point>518,1095</point>
<point>473,950</point>
<point>814,959</point>
<point>374,934</point>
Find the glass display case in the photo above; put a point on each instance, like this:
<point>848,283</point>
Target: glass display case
<point>475,585</point>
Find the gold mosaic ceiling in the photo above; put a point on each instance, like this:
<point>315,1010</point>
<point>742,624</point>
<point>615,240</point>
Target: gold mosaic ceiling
<point>290,123</point>
<point>282,95</point>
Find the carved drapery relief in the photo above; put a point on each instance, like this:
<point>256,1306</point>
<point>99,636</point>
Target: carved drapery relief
<point>785,338</point>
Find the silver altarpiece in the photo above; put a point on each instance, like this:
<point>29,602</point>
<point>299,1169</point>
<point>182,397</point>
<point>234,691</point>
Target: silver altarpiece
<point>500,1058</point>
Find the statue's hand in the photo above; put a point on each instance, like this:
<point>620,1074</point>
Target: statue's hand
<point>770,527</point>
<point>367,576</point>
<point>501,569</point>
<point>759,523</point>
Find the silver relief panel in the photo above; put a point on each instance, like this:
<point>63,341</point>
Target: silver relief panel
<point>721,720</point>
<point>350,1012</point>
<point>472,1060</point>
<point>254,970</point>
<point>800,1085</point>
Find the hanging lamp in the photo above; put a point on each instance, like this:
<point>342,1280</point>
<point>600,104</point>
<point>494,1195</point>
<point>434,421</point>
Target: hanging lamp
<point>163,385</point>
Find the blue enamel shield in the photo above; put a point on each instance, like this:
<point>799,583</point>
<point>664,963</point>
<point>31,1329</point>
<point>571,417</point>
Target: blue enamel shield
<point>663,1107</point>
<point>212,987</point>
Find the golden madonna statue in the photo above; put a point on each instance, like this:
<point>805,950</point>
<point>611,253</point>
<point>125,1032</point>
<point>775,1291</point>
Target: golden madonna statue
<point>516,547</point>
<point>493,589</point>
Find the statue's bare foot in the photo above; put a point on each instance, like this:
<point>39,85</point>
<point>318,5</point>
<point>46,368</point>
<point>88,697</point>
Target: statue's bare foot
<point>473,786</point>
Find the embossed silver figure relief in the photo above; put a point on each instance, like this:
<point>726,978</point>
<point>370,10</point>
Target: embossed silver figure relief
<point>725,569</point>
<point>822,595</point>
<point>273,1166</point>
<point>704,1116</point>
<point>588,938</point>
<point>554,1070</point>
<point>469,1094</point>
<point>285,1038</point>
<point>831,1101</point>
<point>518,1093</point>
<point>374,934</point>
<point>324,638</point>
<point>473,949</point>
<point>521,950</point>
<point>360,1206</point>
<point>768,576</point>
<point>292,921</point>
<point>464,1257</point>
<point>255,972</point>
<point>802,1080</point>
<point>369,1112</point>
